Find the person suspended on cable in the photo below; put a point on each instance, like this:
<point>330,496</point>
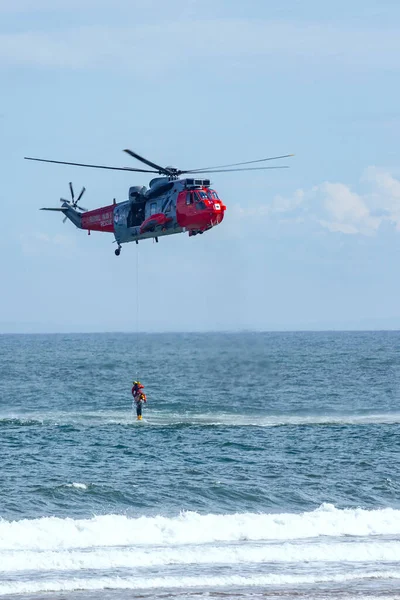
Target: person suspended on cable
<point>138,398</point>
<point>136,387</point>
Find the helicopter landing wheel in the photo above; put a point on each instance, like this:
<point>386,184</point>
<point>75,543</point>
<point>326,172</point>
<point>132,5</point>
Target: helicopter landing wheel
<point>118,251</point>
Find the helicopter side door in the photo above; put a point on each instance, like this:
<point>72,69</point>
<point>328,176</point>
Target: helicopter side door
<point>186,208</point>
<point>136,214</point>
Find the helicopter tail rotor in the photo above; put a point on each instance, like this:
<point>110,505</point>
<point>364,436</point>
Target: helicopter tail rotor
<point>74,204</point>
<point>70,208</point>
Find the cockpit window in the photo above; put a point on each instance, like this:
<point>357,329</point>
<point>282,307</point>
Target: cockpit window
<point>213,195</point>
<point>200,205</point>
<point>202,194</point>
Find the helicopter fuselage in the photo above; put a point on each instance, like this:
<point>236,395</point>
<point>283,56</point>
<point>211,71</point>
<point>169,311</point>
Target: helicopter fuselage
<point>167,207</point>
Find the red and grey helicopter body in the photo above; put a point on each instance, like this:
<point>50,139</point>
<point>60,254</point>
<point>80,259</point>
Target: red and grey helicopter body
<point>170,204</point>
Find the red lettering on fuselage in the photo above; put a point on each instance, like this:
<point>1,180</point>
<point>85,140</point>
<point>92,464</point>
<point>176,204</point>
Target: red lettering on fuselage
<point>100,219</point>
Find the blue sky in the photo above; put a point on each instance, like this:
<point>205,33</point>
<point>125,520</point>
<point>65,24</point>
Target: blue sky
<point>190,83</point>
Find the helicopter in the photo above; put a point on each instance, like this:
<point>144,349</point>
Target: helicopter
<point>169,205</point>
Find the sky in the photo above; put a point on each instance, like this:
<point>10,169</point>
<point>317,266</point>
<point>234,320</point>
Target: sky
<point>192,83</point>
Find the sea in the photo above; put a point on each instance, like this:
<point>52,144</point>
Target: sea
<point>267,466</point>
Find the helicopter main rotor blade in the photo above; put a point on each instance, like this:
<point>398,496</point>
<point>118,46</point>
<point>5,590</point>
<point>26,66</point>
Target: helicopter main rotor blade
<point>232,170</point>
<point>72,191</point>
<point>148,162</point>
<point>249,162</point>
<point>62,162</point>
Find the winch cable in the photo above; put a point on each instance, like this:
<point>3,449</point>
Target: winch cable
<point>137,314</point>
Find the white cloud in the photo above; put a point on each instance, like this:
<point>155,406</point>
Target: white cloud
<point>279,204</point>
<point>349,211</point>
<point>284,205</point>
<point>336,207</point>
<point>338,227</point>
<point>386,194</point>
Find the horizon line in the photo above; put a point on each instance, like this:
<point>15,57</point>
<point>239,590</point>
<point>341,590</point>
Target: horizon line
<point>201,332</point>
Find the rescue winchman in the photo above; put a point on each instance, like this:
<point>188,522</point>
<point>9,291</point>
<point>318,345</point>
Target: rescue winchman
<point>139,397</point>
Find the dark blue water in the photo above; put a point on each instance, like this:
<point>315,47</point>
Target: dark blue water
<point>259,456</point>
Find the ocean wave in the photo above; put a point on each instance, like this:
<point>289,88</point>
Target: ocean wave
<point>78,486</point>
<point>52,533</point>
<point>20,421</point>
<point>168,582</point>
<point>127,558</point>
<point>160,419</point>
<point>248,420</point>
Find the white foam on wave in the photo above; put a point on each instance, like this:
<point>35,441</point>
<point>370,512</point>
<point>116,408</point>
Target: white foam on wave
<point>124,583</point>
<point>125,558</point>
<point>78,486</point>
<point>53,533</point>
<point>281,420</point>
<point>24,419</point>
<point>160,419</point>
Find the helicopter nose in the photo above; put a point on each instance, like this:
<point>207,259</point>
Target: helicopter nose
<point>218,218</point>
<point>219,209</point>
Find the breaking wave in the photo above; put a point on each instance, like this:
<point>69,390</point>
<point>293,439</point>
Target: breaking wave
<point>124,583</point>
<point>126,558</point>
<point>52,533</point>
<point>341,546</point>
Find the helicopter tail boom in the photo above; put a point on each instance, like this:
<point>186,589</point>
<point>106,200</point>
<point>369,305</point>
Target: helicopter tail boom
<point>70,213</point>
